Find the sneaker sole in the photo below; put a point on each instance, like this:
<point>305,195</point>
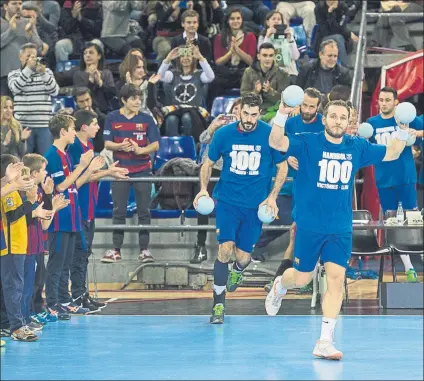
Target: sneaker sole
<point>109,260</point>
<point>146,260</point>
<point>335,357</point>
<point>25,341</point>
<point>216,321</point>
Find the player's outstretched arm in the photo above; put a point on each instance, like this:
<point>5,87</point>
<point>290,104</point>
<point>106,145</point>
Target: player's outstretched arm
<point>280,178</point>
<point>205,175</point>
<point>397,144</point>
<point>277,139</point>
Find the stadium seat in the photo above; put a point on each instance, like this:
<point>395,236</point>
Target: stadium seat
<point>311,52</point>
<point>201,151</point>
<point>162,213</point>
<point>62,66</point>
<point>105,204</point>
<point>222,105</point>
<point>300,38</point>
<point>175,146</point>
<point>65,100</point>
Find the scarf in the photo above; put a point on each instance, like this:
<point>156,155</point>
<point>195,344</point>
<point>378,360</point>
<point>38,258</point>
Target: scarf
<point>282,51</point>
<point>235,58</point>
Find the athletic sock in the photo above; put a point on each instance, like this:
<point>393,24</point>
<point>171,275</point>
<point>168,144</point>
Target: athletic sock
<point>327,329</point>
<point>220,275</point>
<point>284,265</point>
<point>406,259</point>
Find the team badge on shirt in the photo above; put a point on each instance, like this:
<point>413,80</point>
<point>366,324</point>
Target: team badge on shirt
<point>139,126</point>
<point>9,201</point>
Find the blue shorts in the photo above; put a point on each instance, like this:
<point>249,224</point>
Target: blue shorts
<point>237,224</point>
<point>309,247</point>
<point>390,197</point>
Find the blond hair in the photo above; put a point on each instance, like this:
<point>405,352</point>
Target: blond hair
<point>13,124</point>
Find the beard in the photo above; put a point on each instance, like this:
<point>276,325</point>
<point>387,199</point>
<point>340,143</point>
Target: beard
<point>334,134</point>
<point>308,117</point>
<point>247,126</point>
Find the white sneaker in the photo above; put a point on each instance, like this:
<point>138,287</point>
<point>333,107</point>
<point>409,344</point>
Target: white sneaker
<point>273,299</point>
<point>145,256</point>
<point>325,349</point>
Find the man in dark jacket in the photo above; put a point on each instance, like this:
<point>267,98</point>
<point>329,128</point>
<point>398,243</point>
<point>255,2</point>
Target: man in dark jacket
<point>190,23</point>
<point>324,73</point>
<point>78,24</point>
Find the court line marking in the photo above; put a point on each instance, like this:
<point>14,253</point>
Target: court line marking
<point>278,316</point>
<point>111,300</point>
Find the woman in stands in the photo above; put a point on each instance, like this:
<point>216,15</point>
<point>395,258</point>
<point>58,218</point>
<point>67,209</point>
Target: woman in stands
<point>282,38</point>
<point>200,252</point>
<point>186,91</point>
<point>93,75</point>
<point>234,50</point>
<point>13,137</point>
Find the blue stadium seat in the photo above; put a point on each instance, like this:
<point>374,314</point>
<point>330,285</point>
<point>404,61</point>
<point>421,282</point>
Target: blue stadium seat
<point>201,151</point>
<point>65,100</point>
<point>300,38</point>
<point>105,204</point>
<point>161,213</point>
<point>222,105</point>
<point>175,146</point>
<point>295,21</point>
<point>62,66</point>
<point>311,52</point>
<point>268,3</point>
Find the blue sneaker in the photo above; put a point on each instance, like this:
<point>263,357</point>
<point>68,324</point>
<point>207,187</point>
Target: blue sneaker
<point>38,318</point>
<point>58,311</point>
<point>50,318</point>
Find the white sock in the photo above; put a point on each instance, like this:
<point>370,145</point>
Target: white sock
<point>219,289</point>
<point>279,287</point>
<point>406,259</point>
<point>327,329</point>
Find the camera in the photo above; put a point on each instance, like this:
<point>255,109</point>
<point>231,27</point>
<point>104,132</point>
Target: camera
<point>184,52</point>
<point>228,118</point>
<point>280,29</point>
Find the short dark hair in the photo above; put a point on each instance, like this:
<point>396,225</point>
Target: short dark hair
<point>34,161</point>
<point>327,43</point>
<point>388,89</point>
<point>5,160</point>
<point>59,122</point>
<point>336,103</point>
<point>78,91</point>
<point>83,117</point>
<point>314,93</point>
<point>339,92</point>
<point>28,45</point>
<point>251,100</point>
<point>189,13</point>
<point>99,51</point>
<point>266,45</point>
<point>128,91</point>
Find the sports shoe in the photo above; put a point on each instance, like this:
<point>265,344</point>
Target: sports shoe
<point>94,301</point>
<point>325,349</point>
<point>411,276</point>
<point>274,298</point>
<point>234,280</point>
<point>59,311</point>
<point>38,318</point>
<point>307,289</point>
<point>111,256</point>
<point>200,254</point>
<point>24,334</point>
<point>268,286</point>
<point>5,332</point>
<point>50,318</point>
<point>35,327</point>
<point>74,309</point>
<point>218,312</point>
<point>2,343</point>
<point>145,256</point>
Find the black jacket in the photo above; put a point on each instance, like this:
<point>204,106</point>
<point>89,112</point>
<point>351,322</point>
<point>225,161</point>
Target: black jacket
<point>202,42</point>
<point>308,75</point>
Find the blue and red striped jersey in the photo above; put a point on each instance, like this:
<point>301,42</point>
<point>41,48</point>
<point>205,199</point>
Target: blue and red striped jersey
<point>87,192</point>
<point>2,238</point>
<point>142,129</point>
<point>59,167</point>
<point>35,230</point>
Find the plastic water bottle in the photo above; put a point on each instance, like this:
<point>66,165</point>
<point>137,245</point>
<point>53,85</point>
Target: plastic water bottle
<point>399,214</point>
<point>68,65</point>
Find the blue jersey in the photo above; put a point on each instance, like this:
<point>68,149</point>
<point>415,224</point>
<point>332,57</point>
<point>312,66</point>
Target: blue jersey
<point>325,180</point>
<point>88,192</point>
<point>421,176</point>
<point>59,167</point>
<point>296,125</point>
<point>248,164</point>
<point>397,172</point>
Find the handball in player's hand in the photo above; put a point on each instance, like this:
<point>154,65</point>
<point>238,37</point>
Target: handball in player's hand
<point>265,214</point>
<point>412,137</point>
<point>365,130</point>
<point>205,205</point>
<point>293,96</point>
<point>405,112</point>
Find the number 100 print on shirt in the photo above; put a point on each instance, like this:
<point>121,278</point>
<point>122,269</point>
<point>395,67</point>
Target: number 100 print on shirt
<point>245,159</point>
<point>335,168</point>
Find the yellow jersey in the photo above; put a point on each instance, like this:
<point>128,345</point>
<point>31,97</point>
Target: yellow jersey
<point>17,238</point>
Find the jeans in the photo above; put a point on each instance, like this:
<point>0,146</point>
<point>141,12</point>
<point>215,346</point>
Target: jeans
<point>341,44</point>
<point>40,280</point>
<point>39,141</point>
<point>257,13</point>
<point>172,125</point>
<point>29,279</point>
<point>63,49</point>
<point>121,45</point>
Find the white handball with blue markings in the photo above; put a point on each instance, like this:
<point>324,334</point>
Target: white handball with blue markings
<point>411,140</point>
<point>405,112</point>
<point>265,214</point>
<point>365,130</point>
<point>293,96</point>
<point>205,205</point>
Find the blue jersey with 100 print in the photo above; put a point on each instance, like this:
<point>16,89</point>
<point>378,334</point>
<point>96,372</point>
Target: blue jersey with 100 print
<point>325,180</point>
<point>402,170</point>
<point>248,166</point>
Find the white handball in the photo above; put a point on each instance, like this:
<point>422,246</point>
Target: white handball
<point>405,112</point>
<point>293,96</point>
<point>205,205</point>
<point>365,130</point>
<point>411,140</point>
<point>265,214</point>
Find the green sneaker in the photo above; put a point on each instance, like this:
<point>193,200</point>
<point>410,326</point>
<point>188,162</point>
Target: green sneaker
<point>234,280</point>
<point>308,289</point>
<point>411,276</point>
<point>218,311</point>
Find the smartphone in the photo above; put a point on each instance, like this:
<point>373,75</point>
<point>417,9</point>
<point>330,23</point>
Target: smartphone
<point>280,29</point>
<point>184,52</point>
<point>229,118</point>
